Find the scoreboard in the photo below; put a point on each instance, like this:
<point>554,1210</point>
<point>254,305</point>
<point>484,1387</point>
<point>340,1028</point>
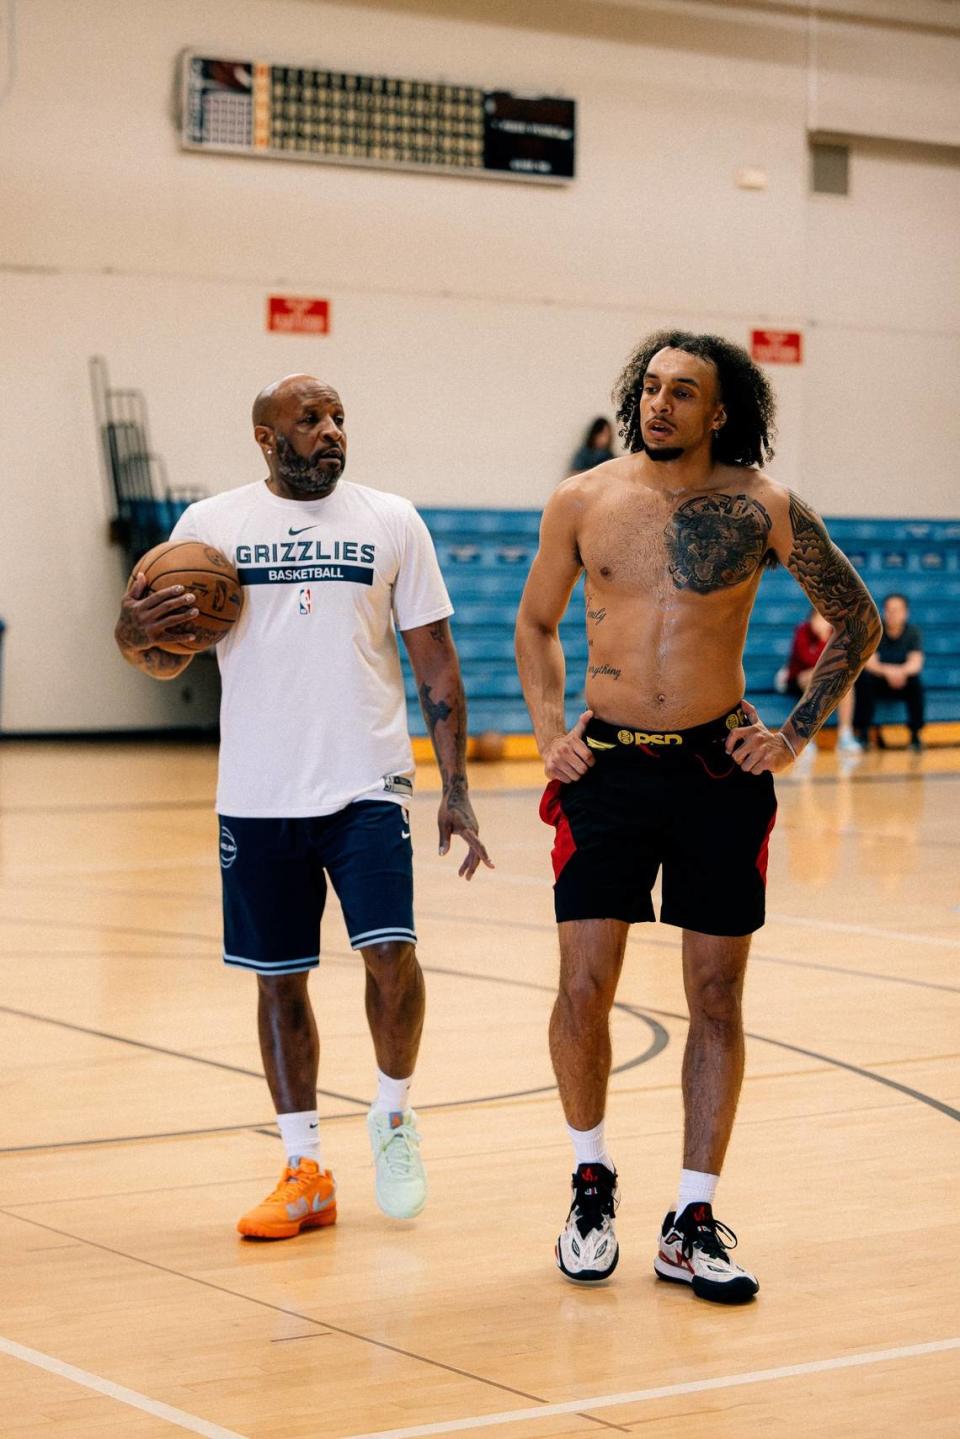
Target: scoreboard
<point>252,107</point>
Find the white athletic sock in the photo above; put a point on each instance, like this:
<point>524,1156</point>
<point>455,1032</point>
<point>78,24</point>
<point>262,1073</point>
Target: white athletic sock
<point>300,1133</point>
<point>393,1095</point>
<point>590,1147</point>
<point>695,1188</point>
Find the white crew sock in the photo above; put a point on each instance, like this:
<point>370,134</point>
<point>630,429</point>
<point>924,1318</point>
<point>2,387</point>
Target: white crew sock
<point>300,1133</point>
<point>590,1147</point>
<point>393,1095</point>
<point>695,1188</point>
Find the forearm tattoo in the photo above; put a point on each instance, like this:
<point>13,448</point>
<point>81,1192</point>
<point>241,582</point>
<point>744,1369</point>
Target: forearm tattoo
<point>434,711</point>
<point>837,591</point>
<point>447,728</point>
<point>714,541</point>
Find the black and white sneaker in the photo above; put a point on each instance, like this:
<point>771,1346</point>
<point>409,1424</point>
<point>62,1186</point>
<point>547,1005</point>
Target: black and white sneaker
<point>587,1250</point>
<point>693,1250</point>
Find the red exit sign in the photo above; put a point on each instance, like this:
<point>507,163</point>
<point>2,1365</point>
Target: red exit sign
<point>776,347</point>
<point>297,315</point>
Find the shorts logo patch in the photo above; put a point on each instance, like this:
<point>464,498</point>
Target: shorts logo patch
<point>228,848</point>
<point>733,720</point>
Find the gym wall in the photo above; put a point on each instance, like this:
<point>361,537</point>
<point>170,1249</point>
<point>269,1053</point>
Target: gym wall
<point>476,325</point>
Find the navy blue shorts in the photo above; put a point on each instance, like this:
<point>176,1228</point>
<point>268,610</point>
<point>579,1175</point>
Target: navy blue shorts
<point>274,874</point>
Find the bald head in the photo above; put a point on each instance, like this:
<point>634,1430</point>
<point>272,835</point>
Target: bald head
<point>272,398</point>
<point>298,422</point>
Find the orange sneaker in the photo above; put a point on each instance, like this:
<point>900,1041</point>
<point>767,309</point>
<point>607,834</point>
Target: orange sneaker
<point>305,1198</point>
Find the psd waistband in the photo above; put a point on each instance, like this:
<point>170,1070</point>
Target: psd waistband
<point>603,737</point>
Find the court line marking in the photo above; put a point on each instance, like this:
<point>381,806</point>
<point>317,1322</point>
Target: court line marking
<point>797,921</point>
<point>161,1049</point>
<point>122,1395</point>
<point>368,1339</point>
<point>640,941</point>
<point>918,1094</point>
<point>660,1038</point>
<point>875,931</point>
<point>520,880</point>
<point>640,1011</point>
<point>666,1391</point>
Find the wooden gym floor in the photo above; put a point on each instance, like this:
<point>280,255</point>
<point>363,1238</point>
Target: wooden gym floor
<point>137,1126</point>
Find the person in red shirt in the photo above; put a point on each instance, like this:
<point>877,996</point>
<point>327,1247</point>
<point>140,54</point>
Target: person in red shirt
<point>809,642</point>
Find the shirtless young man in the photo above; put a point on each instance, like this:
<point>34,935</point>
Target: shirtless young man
<point>669,765</point>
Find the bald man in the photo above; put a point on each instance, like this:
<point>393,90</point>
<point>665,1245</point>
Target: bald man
<point>316,768</point>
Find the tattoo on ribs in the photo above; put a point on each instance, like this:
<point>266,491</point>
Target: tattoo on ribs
<point>595,670</point>
<point>715,541</point>
<point>598,616</point>
<point>836,590</point>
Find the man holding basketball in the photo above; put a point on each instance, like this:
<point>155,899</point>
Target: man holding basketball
<point>316,767</point>
<point>669,765</point>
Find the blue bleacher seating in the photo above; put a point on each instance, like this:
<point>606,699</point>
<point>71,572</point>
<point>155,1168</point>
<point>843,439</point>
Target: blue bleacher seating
<point>485,556</point>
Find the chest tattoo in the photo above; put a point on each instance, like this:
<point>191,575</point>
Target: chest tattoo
<point>714,541</point>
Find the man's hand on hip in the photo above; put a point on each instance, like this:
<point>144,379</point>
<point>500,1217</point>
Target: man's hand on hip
<point>567,758</point>
<point>757,749</point>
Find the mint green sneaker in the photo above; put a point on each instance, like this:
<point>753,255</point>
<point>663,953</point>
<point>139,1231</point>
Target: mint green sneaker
<point>401,1183</point>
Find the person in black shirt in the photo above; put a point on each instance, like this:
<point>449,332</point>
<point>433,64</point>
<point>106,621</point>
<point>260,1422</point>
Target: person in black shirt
<point>893,673</point>
<point>596,448</point>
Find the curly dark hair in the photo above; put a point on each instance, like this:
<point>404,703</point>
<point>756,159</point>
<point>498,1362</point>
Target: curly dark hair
<point>745,438</point>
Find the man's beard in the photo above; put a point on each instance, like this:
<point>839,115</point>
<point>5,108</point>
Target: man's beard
<point>306,477</point>
<point>659,455</point>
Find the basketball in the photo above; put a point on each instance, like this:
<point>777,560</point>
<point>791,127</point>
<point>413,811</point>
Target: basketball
<point>205,573</point>
<point>488,747</point>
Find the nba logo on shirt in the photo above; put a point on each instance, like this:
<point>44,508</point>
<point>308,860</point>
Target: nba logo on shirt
<point>306,602</point>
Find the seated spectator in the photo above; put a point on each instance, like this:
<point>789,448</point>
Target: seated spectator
<point>893,673</point>
<point>596,447</point>
<point>809,642</point>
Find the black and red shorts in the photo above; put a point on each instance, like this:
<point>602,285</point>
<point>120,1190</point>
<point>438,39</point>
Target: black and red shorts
<point>674,799</point>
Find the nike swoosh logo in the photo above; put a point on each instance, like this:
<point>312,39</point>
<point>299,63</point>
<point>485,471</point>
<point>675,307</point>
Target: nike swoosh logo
<point>404,834</point>
<point>302,531</point>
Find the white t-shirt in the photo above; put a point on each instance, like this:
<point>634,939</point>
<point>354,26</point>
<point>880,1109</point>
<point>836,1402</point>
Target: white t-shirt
<point>312,715</point>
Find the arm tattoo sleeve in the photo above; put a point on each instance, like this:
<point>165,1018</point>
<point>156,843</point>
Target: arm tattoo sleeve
<point>837,591</point>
